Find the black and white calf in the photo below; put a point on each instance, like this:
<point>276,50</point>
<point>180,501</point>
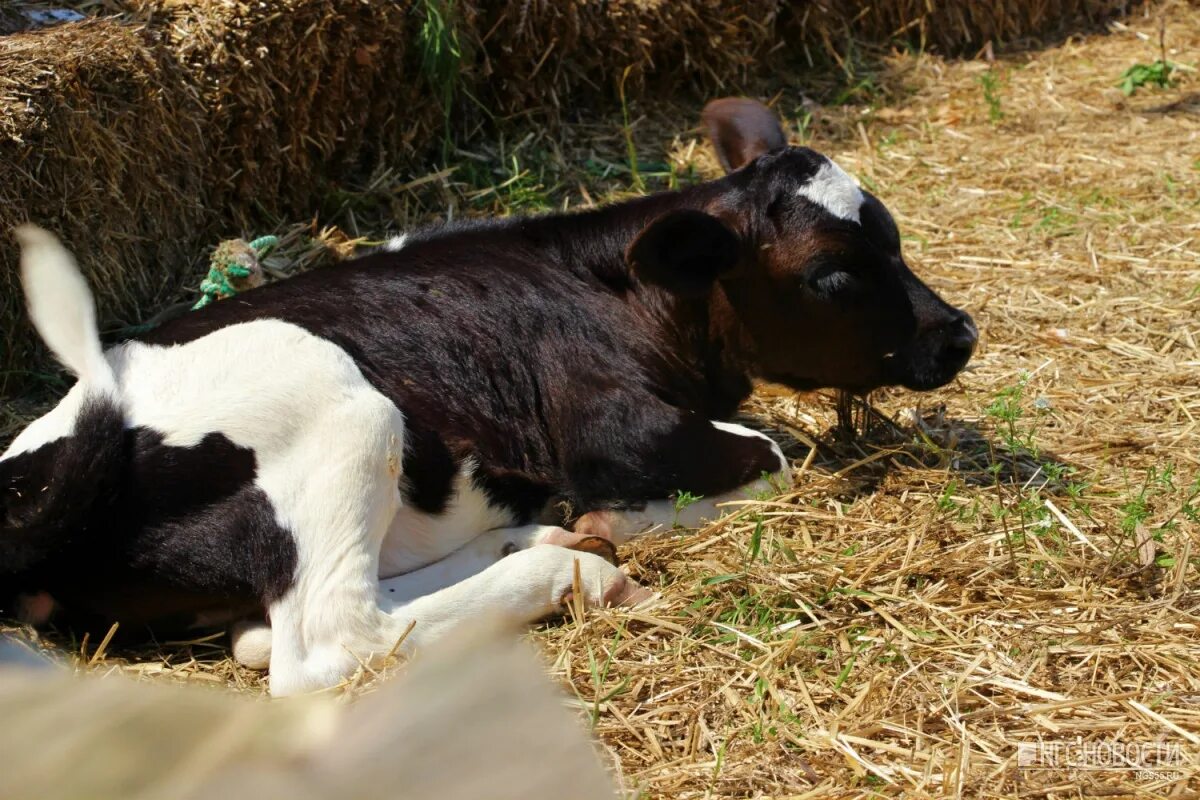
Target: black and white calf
<point>411,415</point>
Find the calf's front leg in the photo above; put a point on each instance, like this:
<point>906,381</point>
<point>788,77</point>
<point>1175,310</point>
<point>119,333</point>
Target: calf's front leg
<point>711,463</point>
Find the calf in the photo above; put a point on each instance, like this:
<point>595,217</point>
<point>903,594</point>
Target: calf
<point>283,450</point>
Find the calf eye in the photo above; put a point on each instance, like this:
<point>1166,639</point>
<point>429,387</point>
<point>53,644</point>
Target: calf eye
<point>829,281</point>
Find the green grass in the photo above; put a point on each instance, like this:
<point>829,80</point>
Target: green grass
<point>598,671</point>
<point>991,83</point>
<point>441,56</point>
<point>510,187</point>
<point>1054,219</point>
<point>635,175</point>
<point>1140,75</point>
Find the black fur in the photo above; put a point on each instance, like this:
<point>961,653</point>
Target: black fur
<point>534,347</point>
<point>62,492</point>
<point>684,252</point>
<point>536,356</point>
<point>429,468</point>
<point>181,531</point>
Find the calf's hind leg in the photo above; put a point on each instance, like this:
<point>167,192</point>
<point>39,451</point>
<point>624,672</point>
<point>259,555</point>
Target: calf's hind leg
<point>251,640</point>
<point>521,588</point>
<point>336,490</point>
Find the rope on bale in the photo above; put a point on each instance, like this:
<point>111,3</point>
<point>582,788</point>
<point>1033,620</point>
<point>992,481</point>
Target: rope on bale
<point>234,267</point>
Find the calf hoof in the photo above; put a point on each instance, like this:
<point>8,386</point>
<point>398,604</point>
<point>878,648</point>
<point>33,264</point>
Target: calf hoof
<point>620,590</point>
<point>583,542</point>
<point>600,523</point>
<point>597,545</point>
<point>251,644</point>
<point>627,592</point>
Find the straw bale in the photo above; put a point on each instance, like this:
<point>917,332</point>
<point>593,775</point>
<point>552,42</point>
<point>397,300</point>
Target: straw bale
<point>947,26</point>
<point>97,143</point>
<point>294,92</point>
<point>545,55</point>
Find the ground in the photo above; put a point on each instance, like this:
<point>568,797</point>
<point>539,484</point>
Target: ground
<point>995,570</point>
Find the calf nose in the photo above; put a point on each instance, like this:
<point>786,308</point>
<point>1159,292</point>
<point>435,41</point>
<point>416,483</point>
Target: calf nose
<point>963,333</point>
<point>961,338</point>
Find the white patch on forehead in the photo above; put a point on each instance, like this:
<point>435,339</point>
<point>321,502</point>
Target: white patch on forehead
<point>835,191</point>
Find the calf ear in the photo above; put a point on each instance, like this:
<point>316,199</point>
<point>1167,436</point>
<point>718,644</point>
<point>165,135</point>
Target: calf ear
<point>684,252</point>
<point>741,130</point>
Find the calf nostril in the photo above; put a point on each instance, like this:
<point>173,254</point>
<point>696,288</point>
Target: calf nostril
<point>963,333</point>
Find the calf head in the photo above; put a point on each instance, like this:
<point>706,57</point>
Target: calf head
<point>802,269</point>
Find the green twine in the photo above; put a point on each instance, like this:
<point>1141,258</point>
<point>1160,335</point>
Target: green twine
<point>263,245</point>
<point>225,269</point>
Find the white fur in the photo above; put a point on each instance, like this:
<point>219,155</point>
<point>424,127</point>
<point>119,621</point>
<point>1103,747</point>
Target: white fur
<point>474,557</point>
<point>61,306</point>
<point>252,641</point>
<point>742,430</point>
<point>54,424</point>
<point>64,313</point>
<point>251,644</point>
<point>328,449</point>
<point>835,191</point>
<point>416,538</point>
<point>395,243</point>
<point>526,586</point>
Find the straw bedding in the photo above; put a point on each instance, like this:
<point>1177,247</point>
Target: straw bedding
<point>1019,561</point>
<point>1009,560</point>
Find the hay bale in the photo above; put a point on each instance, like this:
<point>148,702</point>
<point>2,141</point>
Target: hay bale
<point>141,138</point>
<point>547,55</point>
<point>97,143</point>
<point>947,26</point>
<point>295,93</point>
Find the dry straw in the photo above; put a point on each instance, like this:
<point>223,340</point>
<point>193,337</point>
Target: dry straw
<point>1011,567</point>
<point>1011,560</point>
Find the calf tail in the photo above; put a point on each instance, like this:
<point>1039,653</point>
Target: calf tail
<point>62,309</point>
<point>53,494</point>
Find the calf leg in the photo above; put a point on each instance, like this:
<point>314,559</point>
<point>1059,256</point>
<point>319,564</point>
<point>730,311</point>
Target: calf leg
<point>251,640</point>
<point>335,488</point>
<point>712,462</point>
<point>482,552</point>
<point>522,588</point>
